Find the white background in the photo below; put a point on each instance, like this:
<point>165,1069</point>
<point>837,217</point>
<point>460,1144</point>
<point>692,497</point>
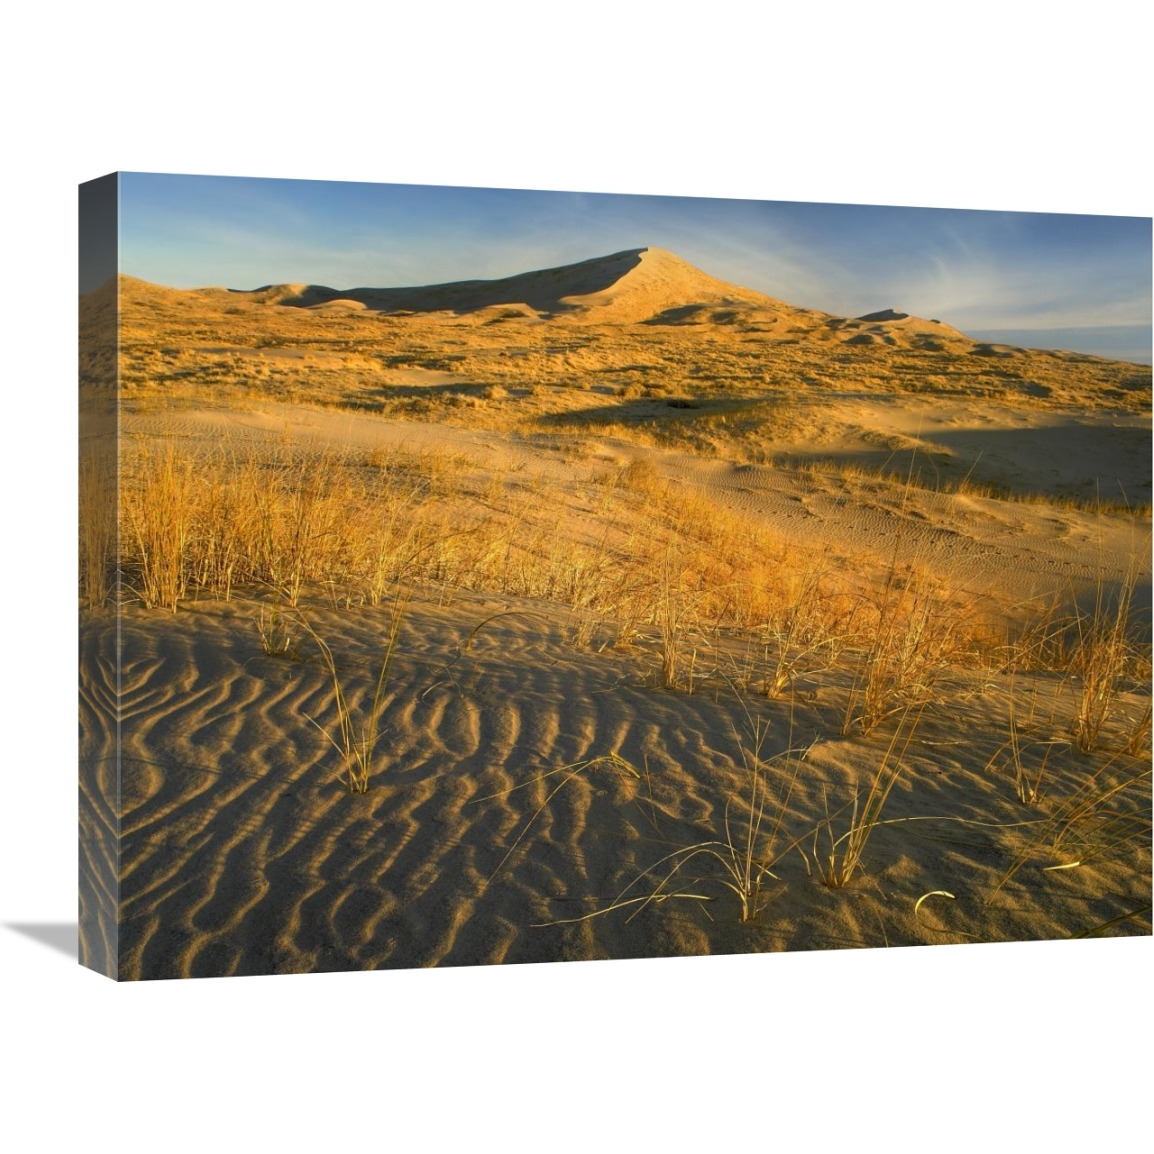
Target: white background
<point>975,105</point>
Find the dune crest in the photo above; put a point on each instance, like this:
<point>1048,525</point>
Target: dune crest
<point>621,288</point>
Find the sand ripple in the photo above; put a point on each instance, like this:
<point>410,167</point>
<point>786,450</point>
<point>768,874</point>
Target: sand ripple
<point>242,852</point>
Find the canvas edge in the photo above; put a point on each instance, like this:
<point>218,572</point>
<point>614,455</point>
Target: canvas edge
<point>98,625</point>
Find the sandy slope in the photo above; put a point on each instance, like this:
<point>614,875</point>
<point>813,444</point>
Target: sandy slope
<point>243,853</point>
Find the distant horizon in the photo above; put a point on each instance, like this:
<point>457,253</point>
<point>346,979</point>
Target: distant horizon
<point>1040,280</point>
<point>1115,342</point>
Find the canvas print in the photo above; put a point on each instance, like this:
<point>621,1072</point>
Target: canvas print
<point>474,576</point>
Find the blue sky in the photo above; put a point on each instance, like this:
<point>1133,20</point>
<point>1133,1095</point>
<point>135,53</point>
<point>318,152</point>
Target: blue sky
<point>1051,280</point>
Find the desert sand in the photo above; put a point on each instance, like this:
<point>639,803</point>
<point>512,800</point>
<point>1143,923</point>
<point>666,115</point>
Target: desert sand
<point>720,625</point>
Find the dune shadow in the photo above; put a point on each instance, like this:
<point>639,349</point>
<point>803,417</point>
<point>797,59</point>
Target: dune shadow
<point>1072,460</point>
<point>1106,465</point>
<point>1088,462</point>
<point>544,291</point>
<point>695,314</point>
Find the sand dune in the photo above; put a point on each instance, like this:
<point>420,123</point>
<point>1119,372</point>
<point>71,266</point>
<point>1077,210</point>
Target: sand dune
<point>621,288</point>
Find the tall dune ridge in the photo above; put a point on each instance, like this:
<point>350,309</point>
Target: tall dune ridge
<point>670,618</point>
<point>622,288</point>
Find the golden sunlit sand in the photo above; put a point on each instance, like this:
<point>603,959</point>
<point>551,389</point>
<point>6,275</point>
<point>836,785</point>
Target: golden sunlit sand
<point>654,617</point>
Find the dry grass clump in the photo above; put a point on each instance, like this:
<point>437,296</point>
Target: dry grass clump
<point>358,731</point>
<point>916,630</point>
<point>808,630</point>
<point>276,633</point>
<point>159,514</point>
<point>640,476</point>
<point>1138,735</point>
<point>1103,652</point>
<point>677,614</point>
<point>195,526</point>
<point>706,571</point>
<point>97,524</point>
<point>843,857</point>
<point>1026,751</point>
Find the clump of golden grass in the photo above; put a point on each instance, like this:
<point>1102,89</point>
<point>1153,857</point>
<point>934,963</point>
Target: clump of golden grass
<point>913,627</point>
<point>1101,655</point>
<point>914,635</point>
<point>1037,645</point>
<point>276,636</point>
<point>640,476</point>
<point>1099,649</point>
<point>97,518</point>
<point>675,614</point>
<point>807,634</point>
<point>209,525</point>
<point>356,737</point>
<point>1028,756</point>
<point>1138,737</point>
<point>159,511</point>
<point>843,858</point>
<point>746,857</point>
